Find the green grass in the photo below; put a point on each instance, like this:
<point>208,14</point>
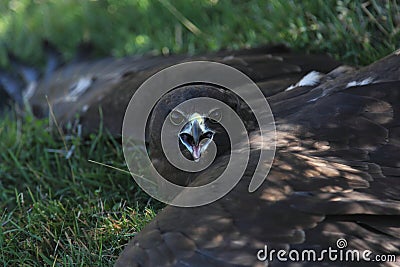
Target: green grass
<point>64,210</point>
<point>59,208</point>
<point>355,31</point>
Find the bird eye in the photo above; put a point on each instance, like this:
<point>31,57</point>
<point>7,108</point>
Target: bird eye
<point>215,115</point>
<point>176,117</point>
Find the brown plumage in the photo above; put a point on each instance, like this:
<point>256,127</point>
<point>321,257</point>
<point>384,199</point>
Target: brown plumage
<point>110,83</point>
<point>336,173</point>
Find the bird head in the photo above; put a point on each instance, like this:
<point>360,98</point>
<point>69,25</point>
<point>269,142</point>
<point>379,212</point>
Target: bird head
<point>195,128</point>
<point>198,131</point>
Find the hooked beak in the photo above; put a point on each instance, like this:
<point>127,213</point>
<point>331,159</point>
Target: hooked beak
<point>196,138</point>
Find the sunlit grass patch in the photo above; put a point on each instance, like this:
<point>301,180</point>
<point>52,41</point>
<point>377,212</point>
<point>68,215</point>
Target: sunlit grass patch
<point>59,210</point>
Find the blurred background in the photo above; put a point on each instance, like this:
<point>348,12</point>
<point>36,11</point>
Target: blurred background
<point>66,200</point>
<point>354,31</point>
